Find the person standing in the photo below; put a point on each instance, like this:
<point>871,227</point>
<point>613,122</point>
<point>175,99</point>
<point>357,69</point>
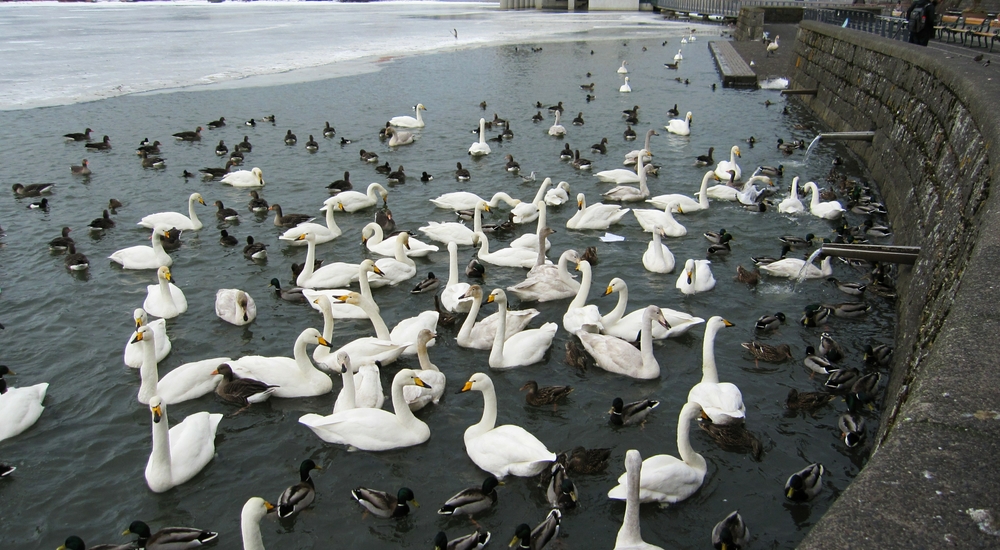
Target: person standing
<point>921,24</point>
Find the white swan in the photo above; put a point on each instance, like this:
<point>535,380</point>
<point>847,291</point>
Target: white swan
<point>722,169</point>
<point>658,258</point>
<point>374,429</point>
<point>557,129</point>
<point>405,332</point>
<point>696,277</point>
<point>507,257</point>
<point>802,269</point>
<point>548,282</point>
<point>418,397</point>
<point>618,175</point>
<point>684,202</point>
<point>524,348</point>
<point>464,200</point>
<point>679,56</point>
<point>502,450</point>
<point>133,351</point>
<point>727,192</point>
<point>667,479</point>
<point>631,158</point>
<point>595,216</point>
<point>363,351</point>
<point>20,408</point>
<point>531,241</point>
<point>347,398</point>
<point>144,257</point>
<point>374,239</point>
<point>480,148</point>
<point>622,69</point>
<point>397,137</point>
<point>164,299</point>
<point>625,88</point>
<point>650,219</point>
<point>186,382</point>
<point>245,178</point>
<point>620,357</point>
<point>458,233</point>
<point>253,511</point>
<point>721,401</point>
<point>235,306</point>
<point>334,275</point>
<point>629,535</point>
<point>681,127</point>
<point>362,389</point>
<point>343,311</point>
<point>295,376</point>
<point>481,334</point>
<point>579,315</point>
<point>627,327</point>
<point>791,204</point>
<point>176,219</point>
<point>397,269</point>
<point>828,210</point>
<point>527,212</point>
<point>451,296</point>
<point>182,451</point>
<point>408,121</point>
<point>625,193</point>
<point>323,233</point>
<point>558,195</point>
<point>352,201</point>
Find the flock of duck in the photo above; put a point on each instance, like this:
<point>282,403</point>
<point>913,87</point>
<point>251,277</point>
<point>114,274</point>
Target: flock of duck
<point>607,341</point>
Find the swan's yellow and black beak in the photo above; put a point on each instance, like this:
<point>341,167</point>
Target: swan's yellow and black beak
<point>202,201</point>
<point>486,208</point>
<point>157,414</point>
<point>268,506</point>
<point>679,209</point>
<point>738,152</point>
<point>377,271</point>
<point>579,205</point>
<point>727,323</point>
<point>490,299</point>
<point>138,323</point>
<point>466,387</point>
<point>136,338</point>
<point>323,342</point>
<point>301,237</point>
<point>421,383</point>
<point>609,290</point>
<point>690,277</point>
<point>364,239</point>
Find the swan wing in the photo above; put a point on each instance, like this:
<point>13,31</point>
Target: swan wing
<point>366,429</point>
<point>20,409</point>
<point>192,445</point>
<point>169,219</point>
<point>133,350</point>
<point>190,380</point>
<point>611,354</point>
<point>509,450</point>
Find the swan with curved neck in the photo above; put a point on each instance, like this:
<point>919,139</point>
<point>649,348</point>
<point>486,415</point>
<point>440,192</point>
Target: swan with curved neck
<point>658,258</point>
<point>721,401</point>
<point>527,212</point>
<point>524,348</point>
<point>347,398</point>
<point>145,257</point>
<point>363,351</point>
<point>405,332</point>
<point>579,315</point>
<point>186,382</point>
<point>179,453</point>
<point>630,535</point>
<point>666,479</point>
<point>253,511</point>
<point>374,429</point>
<point>829,210</point>
<point>373,238</point>
<point>295,376</point>
<point>344,311</point>
<point>794,268</point>
<point>480,147</point>
<point>324,233</point>
<point>352,201</point>
<point>502,450</point>
<point>792,204</point>
<point>134,351</point>
<point>595,216</point>
<point>451,296</point>
<point>627,193</point>
<point>333,275</point>
<point>618,356</point>
<point>684,203</point>
<point>696,277</point>
<point>416,396</point>
<point>457,232</point>
<point>549,282</point>
<point>722,169</point>
<point>176,219</point>
<point>164,299</point>
<point>397,269</point>
<point>646,153</point>
<point>507,257</point>
<point>557,129</point>
<point>531,241</point>
<point>408,121</point>
<point>481,334</point>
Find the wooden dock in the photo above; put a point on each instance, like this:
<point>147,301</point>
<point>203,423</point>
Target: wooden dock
<point>735,72</point>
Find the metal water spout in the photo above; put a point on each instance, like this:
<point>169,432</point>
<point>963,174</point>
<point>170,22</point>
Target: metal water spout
<point>846,136</point>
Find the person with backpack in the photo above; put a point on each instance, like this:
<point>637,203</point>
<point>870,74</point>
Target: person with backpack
<point>921,19</point>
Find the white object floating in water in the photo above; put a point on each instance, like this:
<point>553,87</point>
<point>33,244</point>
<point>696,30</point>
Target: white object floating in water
<point>612,238</point>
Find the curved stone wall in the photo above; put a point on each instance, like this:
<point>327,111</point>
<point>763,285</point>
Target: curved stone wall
<point>933,479</point>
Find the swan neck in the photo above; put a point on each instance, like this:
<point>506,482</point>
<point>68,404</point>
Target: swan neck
<point>649,362</point>
<point>250,526</point>
<point>377,234</point>
<point>616,314</point>
<point>301,357</point>
<point>366,289</point>
<point>703,193</point>
<point>482,131</point>
<point>540,194</point>
<point>470,319</point>
<point>496,353</point>
<point>401,253</point>
<point>425,359</point>
<point>327,318</point>
<point>381,330</point>
<point>350,392</point>
<point>148,372</point>
<point>630,533</point>
<point>643,186</point>
<point>709,372</point>
<point>160,456</point>
<point>489,419</point>
<point>307,269</point>
<point>192,214</point>
<point>452,266</point>
<point>658,247</point>
<point>477,220</point>
<point>399,404</point>
<point>165,294</point>
<point>331,224</point>
<point>814,201</point>
<point>684,449</point>
<point>564,275</point>
<point>581,295</point>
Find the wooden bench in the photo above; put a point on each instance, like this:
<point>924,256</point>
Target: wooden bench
<point>989,32</point>
<point>971,25</point>
<point>948,26</point>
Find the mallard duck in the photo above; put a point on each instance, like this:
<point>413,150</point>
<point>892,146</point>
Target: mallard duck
<point>863,390</point>
<point>771,171</point>
<point>561,491</point>
<point>632,413</point>
<point>879,355</point>
<point>733,437</point>
<point>829,348</point>
<point>169,538</point>
<point>794,242</point>
<point>396,176</point>
<point>300,496</point>
<point>76,543</point>
<point>806,401</point>
<point>445,317</point>
<point>745,276</point>
<point>544,395</point>
<point>383,504</point>
<point>730,533</point>
<point>817,363</point>
<point>242,391</point>
<point>430,284</point>
<point>770,322</point>
<point>854,289</point>
<point>585,461</point>
<point>471,541</point>
<point>721,248</point>
<point>475,269</point>
<point>542,534</point>
<point>842,380</point>
<point>293,294</point>
<point>814,315</point>
<point>848,309</point>
<point>715,236</point>
<point>805,484</point>
<point>590,254</point>
<point>576,356</point>
<point>767,352</point>
<point>852,429</point>
<point>473,500</point>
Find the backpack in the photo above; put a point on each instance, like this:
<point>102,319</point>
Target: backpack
<point>918,18</point>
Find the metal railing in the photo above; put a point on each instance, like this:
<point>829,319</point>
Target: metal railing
<point>881,25</point>
<point>731,8</point>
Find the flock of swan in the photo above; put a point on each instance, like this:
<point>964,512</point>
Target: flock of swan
<point>358,421</point>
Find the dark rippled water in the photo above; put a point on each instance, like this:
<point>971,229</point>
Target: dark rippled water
<point>80,468</point>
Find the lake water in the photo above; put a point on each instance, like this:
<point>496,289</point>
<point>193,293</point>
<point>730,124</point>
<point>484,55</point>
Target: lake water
<point>80,468</point>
